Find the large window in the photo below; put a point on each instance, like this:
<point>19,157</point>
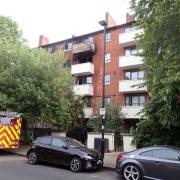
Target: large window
<point>84,80</point>
<point>107,79</point>
<point>67,46</point>
<point>166,154</point>
<point>45,140</point>
<point>135,100</point>
<point>58,143</point>
<point>129,29</point>
<point>132,51</point>
<point>134,75</point>
<point>107,57</point>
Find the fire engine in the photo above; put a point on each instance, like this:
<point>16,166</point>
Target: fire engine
<point>10,129</point>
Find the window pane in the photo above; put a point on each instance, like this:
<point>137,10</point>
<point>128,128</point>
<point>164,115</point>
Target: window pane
<point>140,74</point>
<point>127,75</point>
<point>166,154</point>
<point>108,36</point>
<point>107,100</point>
<point>147,153</point>
<point>107,57</point>
<point>133,51</point>
<point>134,75</point>
<point>46,141</point>
<point>107,79</point>
<point>128,100</point>
<point>58,143</point>
<point>127,52</point>
<point>135,101</point>
<point>89,80</point>
<point>141,100</point>
<point>128,29</point>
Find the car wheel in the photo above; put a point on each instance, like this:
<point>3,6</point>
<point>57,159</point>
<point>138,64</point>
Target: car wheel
<point>131,172</point>
<point>75,164</point>
<point>32,158</point>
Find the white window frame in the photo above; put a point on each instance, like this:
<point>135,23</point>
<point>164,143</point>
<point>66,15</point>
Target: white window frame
<point>69,46</point>
<point>107,79</point>
<point>108,36</point>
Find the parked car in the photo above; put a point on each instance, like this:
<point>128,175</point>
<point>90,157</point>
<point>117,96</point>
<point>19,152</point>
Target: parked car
<point>157,162</point>
<point>65,151</point>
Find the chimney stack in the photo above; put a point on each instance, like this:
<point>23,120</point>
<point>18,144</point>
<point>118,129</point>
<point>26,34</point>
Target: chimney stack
<point>129,18</point>
<point>43,40</point>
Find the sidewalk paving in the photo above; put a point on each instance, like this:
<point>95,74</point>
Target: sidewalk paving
<point>109,158</point>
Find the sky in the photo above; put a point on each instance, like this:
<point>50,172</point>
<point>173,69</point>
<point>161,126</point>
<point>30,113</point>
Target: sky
<point>60,19</point>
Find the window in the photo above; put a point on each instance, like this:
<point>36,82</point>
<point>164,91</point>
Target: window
<point>58,143</point>
<point>45,140</point>
<point>134,75</point>
<point>89,40</point>
<point>87,102</point>
<point>67,46</point>
<point>84,80</point>
<point>67,64</point>
<point>166,154</point>
<point>147,153</point>
<point>107,57</point>
<point>108,37</point>
<point>107,100</point>
<point>107,79</point>
<point>132,51</point>
<point>135,100</point>
<point>53,49</point>
<point>129,29</point>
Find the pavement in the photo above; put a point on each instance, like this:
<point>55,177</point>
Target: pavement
<point>109,158</point>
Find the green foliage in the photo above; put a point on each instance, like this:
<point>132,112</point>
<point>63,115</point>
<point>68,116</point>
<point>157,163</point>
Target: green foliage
<point>160,43</point>
<point>112,123</point>
<point>33,81</point>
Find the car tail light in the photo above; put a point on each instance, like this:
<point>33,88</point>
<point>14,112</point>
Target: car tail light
<point>120,157</point>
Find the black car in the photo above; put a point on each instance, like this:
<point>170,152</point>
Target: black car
<point>157,162</point>
<point>65,151</point>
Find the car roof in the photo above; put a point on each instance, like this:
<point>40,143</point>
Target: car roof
<point>58,137</point>
<point>137,151</point>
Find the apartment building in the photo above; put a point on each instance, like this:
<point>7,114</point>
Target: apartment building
<point>123,69</point>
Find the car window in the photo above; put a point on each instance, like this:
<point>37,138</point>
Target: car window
<point>146,153</point>
<point>58,143</point>
<point>166,154</point>
<point>45,140</point>
<point>74,143</point>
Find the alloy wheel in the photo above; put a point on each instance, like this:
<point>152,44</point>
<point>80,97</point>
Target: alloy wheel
<point>32,158</point>
<point>131,172</point>
<point>75,165</point>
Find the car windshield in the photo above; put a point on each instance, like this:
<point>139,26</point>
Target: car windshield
<point>74,143</point>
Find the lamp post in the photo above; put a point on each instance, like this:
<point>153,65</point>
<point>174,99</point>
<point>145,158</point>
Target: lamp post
<point>104,24</point>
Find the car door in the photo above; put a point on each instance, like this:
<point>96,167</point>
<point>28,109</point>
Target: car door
<point>44,149</point>
<point>60,152</point>
<point>167,163</point>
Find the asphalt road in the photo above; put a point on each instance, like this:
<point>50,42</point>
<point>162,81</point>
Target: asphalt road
<point>13,167</point>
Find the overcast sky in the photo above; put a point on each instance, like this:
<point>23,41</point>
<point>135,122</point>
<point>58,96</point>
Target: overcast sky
<point>60,19</point>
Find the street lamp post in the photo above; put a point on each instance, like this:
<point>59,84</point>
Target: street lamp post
<point>104,24</point>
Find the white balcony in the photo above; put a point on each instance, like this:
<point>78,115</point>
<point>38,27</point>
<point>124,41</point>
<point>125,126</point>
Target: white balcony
<point>83,90</point>
<point>88,111</point>
<point>83,47</point>
<point>128,38</point>
<point>130,62</point>
<point>131,112</point>
<point>82,69</point>
<point>131,86</point>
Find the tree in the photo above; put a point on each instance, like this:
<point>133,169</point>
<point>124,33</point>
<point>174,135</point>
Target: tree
<point>160,43</point>
<point>33,81</point>
<point>112,124</point>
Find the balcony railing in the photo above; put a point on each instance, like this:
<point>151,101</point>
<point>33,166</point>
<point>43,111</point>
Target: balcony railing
<point>130,62</point>
<point>83,90</point>
<point>82,69</point>
<point>131,86</point>
<point>83,47</point>
<point>131,112</point>
<point>128,38</point>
